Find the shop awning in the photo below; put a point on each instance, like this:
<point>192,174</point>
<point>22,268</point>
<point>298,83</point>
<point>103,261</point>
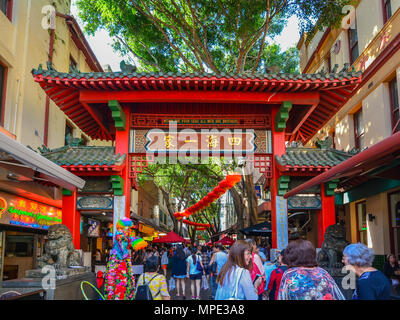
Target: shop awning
<point>265,206</point>
<point>226,241</point>
<point>262,229</point>
<point>18,158</point>
<point>382,160</point>
<point>171,237</point>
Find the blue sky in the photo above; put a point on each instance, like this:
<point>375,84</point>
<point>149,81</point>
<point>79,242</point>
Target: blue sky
<point>101,42</point>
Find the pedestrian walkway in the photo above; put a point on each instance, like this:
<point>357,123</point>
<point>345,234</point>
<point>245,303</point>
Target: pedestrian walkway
<point>204,294</point>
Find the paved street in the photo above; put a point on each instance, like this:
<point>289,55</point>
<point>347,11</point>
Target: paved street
<point>204,294</point>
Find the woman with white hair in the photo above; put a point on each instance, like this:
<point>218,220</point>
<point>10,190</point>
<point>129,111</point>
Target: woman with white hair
<point>371,283</point>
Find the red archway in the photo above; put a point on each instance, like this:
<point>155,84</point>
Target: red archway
<point>115,106</point>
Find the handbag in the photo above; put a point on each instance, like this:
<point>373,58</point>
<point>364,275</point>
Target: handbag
<point>235,291</point>
<point>204,283</point>
<point>171,284</point>
<point>198,265</point>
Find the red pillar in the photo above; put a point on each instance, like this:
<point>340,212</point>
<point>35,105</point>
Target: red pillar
<point>122,147</point>
<point>326,216</point>
<point>71,216</point>
<point>278,149</point>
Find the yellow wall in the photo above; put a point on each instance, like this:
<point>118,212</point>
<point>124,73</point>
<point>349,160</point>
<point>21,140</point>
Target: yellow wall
<point>377,115</point>
<point>353,223</point>
<point>24,44</point>
<point>374,100</point>
<point>373,97</point>
<point>369,22</point>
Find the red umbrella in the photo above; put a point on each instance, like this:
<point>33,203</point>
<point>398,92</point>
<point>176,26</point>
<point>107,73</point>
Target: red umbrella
<point>226,241</point>
<point>171,237</point>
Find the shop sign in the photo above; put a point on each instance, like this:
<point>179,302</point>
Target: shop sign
<point>202,121</point>
<point>192,141</point>
<point>304,202</point>
<point>23,212</point>
<point>94,228</point>
<point>119,211</point>
<point>146,230</point>
<point>281,223</point>
<point>100,185</point>
<point>205,141</point>
<point>95,202</point>
<point>258,191</point>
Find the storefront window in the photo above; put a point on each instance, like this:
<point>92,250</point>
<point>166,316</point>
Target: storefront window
<point>394,199</point>
<point>362,222</point>
<point>19,246</point>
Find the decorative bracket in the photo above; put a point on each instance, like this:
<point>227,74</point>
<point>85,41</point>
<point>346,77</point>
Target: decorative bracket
<point>283,185</point>
<point>330,187</point>
<point>282,116</point>
<point>118,185</point>
<point>118,115</point>
<point>66,192</point>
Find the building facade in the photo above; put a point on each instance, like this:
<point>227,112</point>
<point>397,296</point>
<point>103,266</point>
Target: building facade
<point>369,41</point>
<point>34,32</point>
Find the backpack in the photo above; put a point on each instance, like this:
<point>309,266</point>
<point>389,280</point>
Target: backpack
<point>143,291</point>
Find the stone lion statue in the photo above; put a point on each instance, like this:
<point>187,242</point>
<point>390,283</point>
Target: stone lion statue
<point>59,249</point>
<point>330,256</point>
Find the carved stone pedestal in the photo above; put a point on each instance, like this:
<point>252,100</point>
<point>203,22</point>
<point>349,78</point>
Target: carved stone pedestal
<point>66,287</point>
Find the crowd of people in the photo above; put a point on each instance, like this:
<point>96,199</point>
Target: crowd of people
<point>244,271</point>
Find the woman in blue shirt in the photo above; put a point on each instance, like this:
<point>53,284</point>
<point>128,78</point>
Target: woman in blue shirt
<point>371,284</point>
<point>195,269</point>
<point>234,280</point>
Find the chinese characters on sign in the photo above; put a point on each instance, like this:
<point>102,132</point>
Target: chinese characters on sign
<point>27,213</point>
<point>119,211</point>
<point>281,223</point>
<point>202,121</point>
<point>183,141</point>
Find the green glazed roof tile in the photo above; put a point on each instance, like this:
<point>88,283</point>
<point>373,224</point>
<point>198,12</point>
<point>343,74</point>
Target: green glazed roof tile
<point>342,75</point>
<point>312,157</point>
<point>85,155</point>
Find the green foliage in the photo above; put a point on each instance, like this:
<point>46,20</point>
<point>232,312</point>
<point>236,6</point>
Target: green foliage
<point>189,183</point>
<point>205,35</point>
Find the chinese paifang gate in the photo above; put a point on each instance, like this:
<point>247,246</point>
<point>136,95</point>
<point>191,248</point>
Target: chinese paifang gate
<point>124,107</point>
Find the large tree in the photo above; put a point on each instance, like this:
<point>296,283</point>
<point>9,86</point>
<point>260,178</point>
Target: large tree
<point>203,35</point>
<point>182,185</point>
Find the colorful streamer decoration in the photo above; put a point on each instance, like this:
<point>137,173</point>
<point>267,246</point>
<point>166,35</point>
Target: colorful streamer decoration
<point>230,181</point>
<point>120,281</point>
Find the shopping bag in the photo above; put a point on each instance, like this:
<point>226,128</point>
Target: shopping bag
<point>171,283</point>
<point>204,283</point>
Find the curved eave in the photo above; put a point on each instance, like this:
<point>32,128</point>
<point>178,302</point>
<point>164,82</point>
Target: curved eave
<point>278,84</point>
<point>85,169</point>
<point>64,89</point>
<point>302,169</point>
